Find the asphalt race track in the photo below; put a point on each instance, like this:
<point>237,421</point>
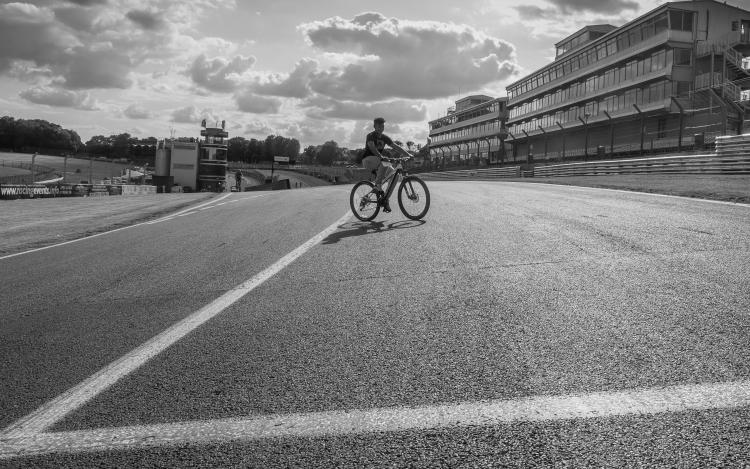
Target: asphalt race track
<point>517,325</point>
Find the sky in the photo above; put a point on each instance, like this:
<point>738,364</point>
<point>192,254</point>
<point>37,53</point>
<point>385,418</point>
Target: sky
<point>314,70</point>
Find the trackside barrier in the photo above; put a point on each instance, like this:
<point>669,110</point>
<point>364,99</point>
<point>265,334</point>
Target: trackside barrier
<point>132,189</point>
<point>733,144</point>
<point>473,174</point>
<point>731,156</point>
<point>693,164</point>
<point>39,191</point>
<point>271,186</point>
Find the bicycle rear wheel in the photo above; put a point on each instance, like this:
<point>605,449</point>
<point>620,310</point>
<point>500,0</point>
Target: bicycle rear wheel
<point>364,201</point>
<point>413,198</point>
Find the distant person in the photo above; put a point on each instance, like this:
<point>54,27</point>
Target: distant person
<point>238,178</point>
<point>372,157</point>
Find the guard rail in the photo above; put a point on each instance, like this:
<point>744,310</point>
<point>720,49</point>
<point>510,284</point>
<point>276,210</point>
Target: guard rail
<point>474,174</point>
<point>692,164</point>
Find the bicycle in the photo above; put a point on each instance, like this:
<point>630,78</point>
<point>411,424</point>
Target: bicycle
<point>413,195</point>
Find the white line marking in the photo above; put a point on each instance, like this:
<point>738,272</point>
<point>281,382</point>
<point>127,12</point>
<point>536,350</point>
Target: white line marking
<point>498,412</point>
<point>57,408</point>
<point>168,217</point>
<point>589,188</point>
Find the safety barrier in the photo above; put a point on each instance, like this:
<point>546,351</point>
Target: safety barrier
<point>693,164</point>
<point>731,156</point>
<point>474,174</point>
<point>41,191</point>
<point>696,164</point>
<point>733,144</point>
<point>132,189</point>
<point>281,184</point>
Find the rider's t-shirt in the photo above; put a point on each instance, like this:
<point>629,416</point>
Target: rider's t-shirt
<point>380,139</point>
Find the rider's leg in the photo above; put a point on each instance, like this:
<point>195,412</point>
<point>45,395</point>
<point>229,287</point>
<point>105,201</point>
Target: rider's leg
<point>371,162</point>
<point>383,171</point>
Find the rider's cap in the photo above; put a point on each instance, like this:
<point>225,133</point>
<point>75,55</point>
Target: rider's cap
<point>379,120</point>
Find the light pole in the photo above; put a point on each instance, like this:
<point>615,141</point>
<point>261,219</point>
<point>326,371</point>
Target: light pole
<point>585,121</point>
<point>562,133</point>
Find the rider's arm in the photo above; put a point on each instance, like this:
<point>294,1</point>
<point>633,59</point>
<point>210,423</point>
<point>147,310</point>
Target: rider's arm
<point>401,150</point>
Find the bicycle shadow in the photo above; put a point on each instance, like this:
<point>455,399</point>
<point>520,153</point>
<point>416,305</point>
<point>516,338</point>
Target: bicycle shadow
<point>348,230</point>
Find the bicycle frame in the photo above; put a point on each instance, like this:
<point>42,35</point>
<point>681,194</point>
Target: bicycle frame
<point>393,178</point>
<point>412,194</point>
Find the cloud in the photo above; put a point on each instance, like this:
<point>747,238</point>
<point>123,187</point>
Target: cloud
<point>60,98</point>
<point>135,111</point>
<point>294,85</point>
<point>145,19</point>
<point>191,115</point>
<point>392,111</point>
<point>406,59</point>
<point>94,44</point>
<point>258,129</point>
<point>89,2</point>
<point>571,7</point>
<point>219,74</point>
<point>186,115</point>
<point>247,101</point>
<point>532,12</point>
<point>30,33</point>
<point>98,69</point>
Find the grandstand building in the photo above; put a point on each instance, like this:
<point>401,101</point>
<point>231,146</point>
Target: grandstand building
<point>471,131</point>
<point>672,79</point>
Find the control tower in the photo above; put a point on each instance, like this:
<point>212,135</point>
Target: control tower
<point>196,165</point>
<point>212,164</point>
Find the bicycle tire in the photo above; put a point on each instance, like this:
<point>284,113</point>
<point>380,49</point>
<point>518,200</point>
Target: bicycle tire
<point>413,198</point>
<point>363,201</point>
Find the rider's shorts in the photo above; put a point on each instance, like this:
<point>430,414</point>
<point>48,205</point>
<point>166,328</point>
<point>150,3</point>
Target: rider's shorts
<point>371,162</point>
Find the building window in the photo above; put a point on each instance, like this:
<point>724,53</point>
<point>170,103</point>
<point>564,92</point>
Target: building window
<point>661,128</point>
<point>681,20</point>
<point>682,56</point>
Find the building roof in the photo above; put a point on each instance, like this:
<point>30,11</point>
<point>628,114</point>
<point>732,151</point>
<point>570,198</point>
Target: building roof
<point>689,4</point>
<point>599,28</point>
<point>469,109</point>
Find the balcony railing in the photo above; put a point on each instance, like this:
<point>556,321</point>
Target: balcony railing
<point>594,95</point>
<point>732,56</point>
<point>728,90</point>
<point>616,58</point>
<point>477,135</point>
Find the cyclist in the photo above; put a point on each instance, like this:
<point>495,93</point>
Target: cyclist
<point>238,179</point>
<point>372,157</point>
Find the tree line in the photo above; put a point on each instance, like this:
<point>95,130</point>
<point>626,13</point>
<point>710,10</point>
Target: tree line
<point>260,151</point>
<point>37,135</point>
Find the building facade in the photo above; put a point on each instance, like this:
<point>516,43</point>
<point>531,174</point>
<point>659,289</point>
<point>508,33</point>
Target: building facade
<point>194,165</point>
<point>672,79</point>
<point>471,131</point>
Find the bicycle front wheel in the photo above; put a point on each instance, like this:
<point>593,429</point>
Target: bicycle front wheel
<point>413,198</point>
<point>364,201</point>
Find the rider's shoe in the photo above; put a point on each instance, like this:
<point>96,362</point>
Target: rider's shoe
<point>386,207</point>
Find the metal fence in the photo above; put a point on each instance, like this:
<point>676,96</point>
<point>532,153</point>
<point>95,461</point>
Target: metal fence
<point>37,172</point>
